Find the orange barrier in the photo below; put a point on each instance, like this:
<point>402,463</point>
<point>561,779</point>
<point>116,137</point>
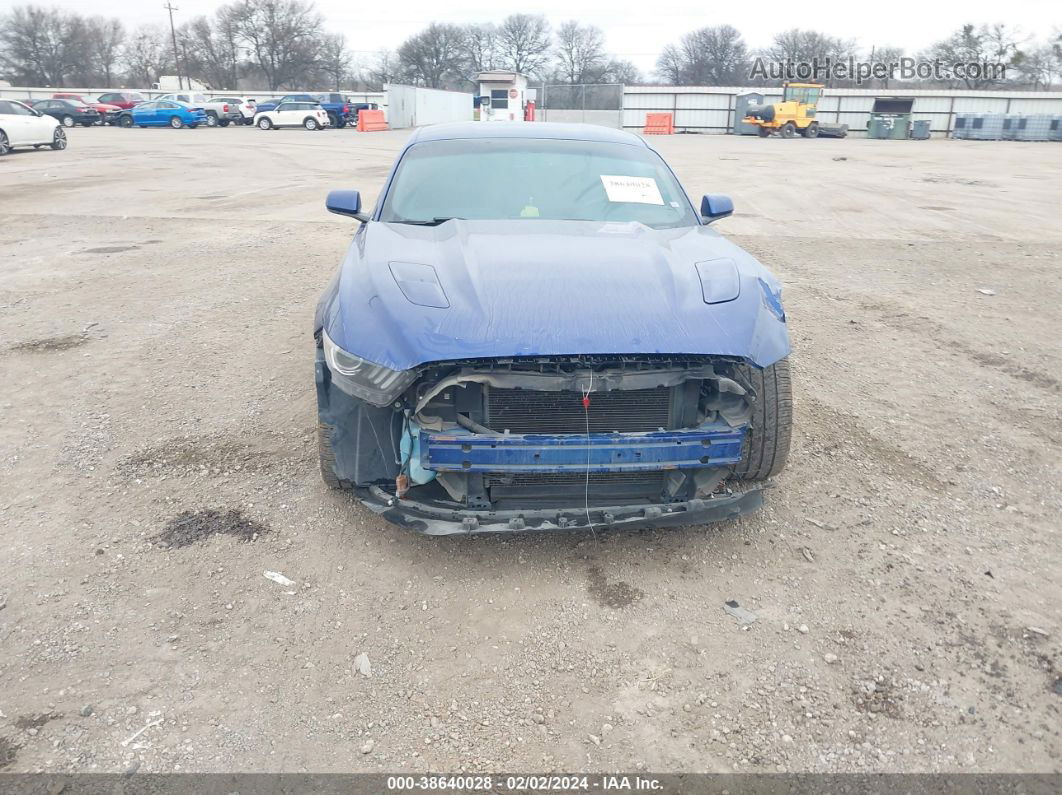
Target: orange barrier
<point>371,121</point>
<point>659,124</point>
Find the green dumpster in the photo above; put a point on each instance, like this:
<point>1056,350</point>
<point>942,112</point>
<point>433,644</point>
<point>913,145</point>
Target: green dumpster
<point>892,126</point>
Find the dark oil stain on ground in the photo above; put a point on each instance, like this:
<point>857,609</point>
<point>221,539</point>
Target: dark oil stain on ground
<point>616,594</point>
<point>191,527</point>
<point>8,752</point>
<point>52,344</point>
<point>108,249</point>
<point>35,720</point>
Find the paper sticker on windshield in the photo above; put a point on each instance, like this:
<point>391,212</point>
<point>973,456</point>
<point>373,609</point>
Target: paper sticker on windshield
<point>640,190</point>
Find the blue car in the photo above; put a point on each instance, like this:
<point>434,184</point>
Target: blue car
<point>536,329</point>
<point>162,113</point>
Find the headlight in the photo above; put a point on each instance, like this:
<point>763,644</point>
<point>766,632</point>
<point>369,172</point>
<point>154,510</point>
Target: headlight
<point>372,383</point>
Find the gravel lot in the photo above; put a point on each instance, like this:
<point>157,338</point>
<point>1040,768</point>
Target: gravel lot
<point>157,457</point>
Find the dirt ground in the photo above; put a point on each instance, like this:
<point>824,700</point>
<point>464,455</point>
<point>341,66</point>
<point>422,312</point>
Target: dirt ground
<point>157,457</point>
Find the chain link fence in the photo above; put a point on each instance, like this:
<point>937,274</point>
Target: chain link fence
<point>587,103</point>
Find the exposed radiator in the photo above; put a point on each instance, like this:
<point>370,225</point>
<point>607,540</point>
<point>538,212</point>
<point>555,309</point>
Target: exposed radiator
<point>620,411</point>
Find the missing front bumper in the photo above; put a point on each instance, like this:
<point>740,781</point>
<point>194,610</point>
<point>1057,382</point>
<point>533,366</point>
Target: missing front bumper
<point>442,520</point>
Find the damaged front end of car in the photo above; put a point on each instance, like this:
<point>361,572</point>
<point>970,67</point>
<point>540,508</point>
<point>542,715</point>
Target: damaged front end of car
<point>537,442</point>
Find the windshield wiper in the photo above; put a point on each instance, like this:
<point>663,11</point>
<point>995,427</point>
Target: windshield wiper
<point>433,222</point>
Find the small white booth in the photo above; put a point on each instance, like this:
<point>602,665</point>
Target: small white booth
<point>503,95</point>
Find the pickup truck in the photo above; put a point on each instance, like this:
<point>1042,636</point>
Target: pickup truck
<point>335,105</point>
<point>218,111</point>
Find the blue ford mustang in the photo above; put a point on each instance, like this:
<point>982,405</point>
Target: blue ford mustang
<point>162,113</point>
<point>536,329</point>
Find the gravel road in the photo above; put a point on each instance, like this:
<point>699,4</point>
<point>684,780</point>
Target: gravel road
<point>157,458</point>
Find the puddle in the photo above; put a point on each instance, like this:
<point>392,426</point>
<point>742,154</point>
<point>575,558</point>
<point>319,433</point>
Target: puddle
<point>192,527</point>
<point>616,594</point>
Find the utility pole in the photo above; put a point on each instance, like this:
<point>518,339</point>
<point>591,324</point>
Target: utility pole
<point>176,56</point>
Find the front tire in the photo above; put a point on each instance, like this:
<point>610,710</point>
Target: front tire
<point>264,124</point>
<point>125,121</point>
<point>788,130</point>
<point>68,121</point>
<point>223,122</point>
<point>326,455</point>
<point>59,139</point>
<point>770,429</point>
<point>5,144</point>
<point>176,123</point>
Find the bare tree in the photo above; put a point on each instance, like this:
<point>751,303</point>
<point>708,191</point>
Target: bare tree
<point>282,37</point>
<point>622,71</point>
<point>435,57</point>
<point>104,40</point>
<point>1040,65</point>
<point>888,56</point>
<point>580,54</point>
<point>147,54</point>
<point>334,60</point>
<point>714,56</point>
<point>524,43</point>
<point>210,52</point>
<point>994,44</point>
<point>481,50</point>
<point>42,47</point>
<point>386,68</point>
<point>806,46</point>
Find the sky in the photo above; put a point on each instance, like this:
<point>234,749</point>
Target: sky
<point>634,31</point>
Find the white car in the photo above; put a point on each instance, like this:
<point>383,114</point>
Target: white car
<point>21,125</point>
<point>219,112</point>
<point>245,105</point>
<point>293,114</point>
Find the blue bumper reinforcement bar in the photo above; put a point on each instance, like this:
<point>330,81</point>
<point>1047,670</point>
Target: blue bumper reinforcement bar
<point>454,451</point>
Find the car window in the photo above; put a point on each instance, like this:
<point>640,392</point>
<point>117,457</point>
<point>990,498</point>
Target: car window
<point>105,98</point>
<point>7,108</point>
<point>147,106</point>
<point>493,179</point>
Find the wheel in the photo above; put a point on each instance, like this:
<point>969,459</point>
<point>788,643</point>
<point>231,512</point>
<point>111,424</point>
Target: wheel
<point>125,121</point>
<point>333,119</point>
<point>68,121</point>
<point>176,123</point>
<point>223,122</point>
<point>87,123</point>
<point>58,139</point>
<point>812,130</point>
<point>5,145</point>
<point>326,455</point>
<point>770,429</point>
<point>264,123</point>
<point>311,124</point>
<point>212,119</point>
<point>765,132</point>
<point>788,130</point>
<point>341,124</point>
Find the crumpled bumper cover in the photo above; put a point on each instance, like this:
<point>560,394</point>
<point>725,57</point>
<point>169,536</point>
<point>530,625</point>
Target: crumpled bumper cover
<point>441,520</point>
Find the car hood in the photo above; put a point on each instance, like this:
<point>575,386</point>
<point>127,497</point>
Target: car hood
<point>408,295</point>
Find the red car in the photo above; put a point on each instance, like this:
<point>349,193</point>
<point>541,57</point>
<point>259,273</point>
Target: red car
<point>122,99</point>
<point>106,110</point>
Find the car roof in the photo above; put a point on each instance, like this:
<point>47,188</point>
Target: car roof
<point>519,129</point>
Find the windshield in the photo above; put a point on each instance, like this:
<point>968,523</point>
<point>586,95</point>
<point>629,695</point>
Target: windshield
<point>494,179</point>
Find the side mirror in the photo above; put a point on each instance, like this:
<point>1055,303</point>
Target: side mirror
<point>715,206</point>
<point>346,202</point>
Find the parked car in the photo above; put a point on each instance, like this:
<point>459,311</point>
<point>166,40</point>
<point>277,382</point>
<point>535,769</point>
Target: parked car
<point>293,114</point>
<point>335,105</point>
<point>561,342</point>
<point>162,113</point>
<point>246,106</point>
<point>122,99</point>
<point>107,112</point>
<point>358,107</point>
<point>69,112</point>
<point>218,112</point>
<point>21,125</point>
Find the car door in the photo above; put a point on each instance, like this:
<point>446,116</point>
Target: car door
<point>144,113</point>
<point>13,123</point>
<point>286,111</point>
<point>40,128</point>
